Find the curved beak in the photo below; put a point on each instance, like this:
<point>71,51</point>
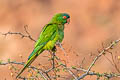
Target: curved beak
<point>68,20</point>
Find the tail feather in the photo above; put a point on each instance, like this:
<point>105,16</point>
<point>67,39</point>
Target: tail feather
<point>28,64</point>
<point>32,57</point>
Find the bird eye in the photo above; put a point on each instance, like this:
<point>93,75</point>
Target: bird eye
<point>64,17</point>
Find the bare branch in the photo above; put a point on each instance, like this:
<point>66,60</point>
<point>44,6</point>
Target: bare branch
<point>99,55</point>
<point>22,63</point>
<point>68,69</point>
<point>29,36</point>
<point>60,45</point>
<point>20,34</point>
<point>45,73</point>
<point>102,52</point>
<point>107,75</point>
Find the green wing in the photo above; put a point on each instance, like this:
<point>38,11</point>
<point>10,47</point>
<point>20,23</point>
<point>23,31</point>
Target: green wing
<point>48,33</point>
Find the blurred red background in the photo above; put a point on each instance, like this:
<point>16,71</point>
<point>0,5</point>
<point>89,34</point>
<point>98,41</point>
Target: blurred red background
<point>93,22</point>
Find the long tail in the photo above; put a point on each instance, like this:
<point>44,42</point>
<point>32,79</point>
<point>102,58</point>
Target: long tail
<point>31,58</point>
<point>28,63</point>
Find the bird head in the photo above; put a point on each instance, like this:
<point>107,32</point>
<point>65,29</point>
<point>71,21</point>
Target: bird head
<point>61,18</point>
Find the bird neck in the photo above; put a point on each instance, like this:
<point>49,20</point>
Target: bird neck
<point>61,27</point>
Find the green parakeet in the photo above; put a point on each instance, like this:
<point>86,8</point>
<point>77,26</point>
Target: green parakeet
<point>51,33</point>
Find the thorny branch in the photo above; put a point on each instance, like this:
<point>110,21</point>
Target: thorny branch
<point>41,72</point>
<point>60,45</point>
<point>98,56</point>
<point>20,34</point>
<point>113,62</point>
<point>22,63</point>
<point>110,75</point>
<point>45,73</point>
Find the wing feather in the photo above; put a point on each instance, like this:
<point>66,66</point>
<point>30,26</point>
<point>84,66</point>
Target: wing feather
<point>47,34</point>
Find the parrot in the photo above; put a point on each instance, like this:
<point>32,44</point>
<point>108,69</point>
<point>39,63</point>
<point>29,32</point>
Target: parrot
<point>51,33</point>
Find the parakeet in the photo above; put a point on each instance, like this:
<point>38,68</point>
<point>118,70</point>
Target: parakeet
<point>51,33</point>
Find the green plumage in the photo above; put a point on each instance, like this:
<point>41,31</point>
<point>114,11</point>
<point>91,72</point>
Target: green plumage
<point>50,34</point>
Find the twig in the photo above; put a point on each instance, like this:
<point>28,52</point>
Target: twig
<point>22,63</point>
<point>12,62</point>
<point>47,76</point>
<point>41,73</point>
<point>29,36</point>
<point>53,60</point>
<point>20,34</point>
<point>60,45</point>
<point>99,55</point>
<point>103,52</point>
<point>110,75</point>
<point>68,69</point>
<point>115,63</point>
